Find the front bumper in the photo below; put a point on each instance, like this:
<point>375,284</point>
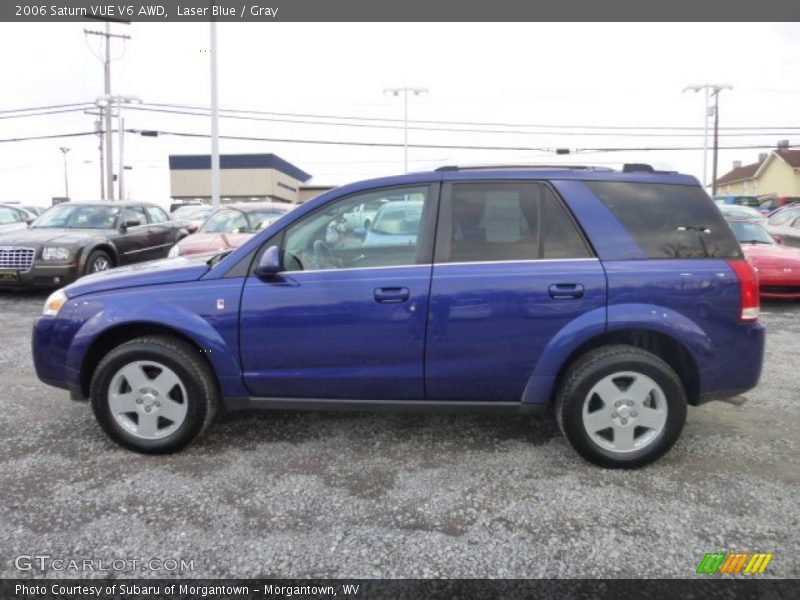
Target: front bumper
<point>50,340</point>
<point>41,275</point>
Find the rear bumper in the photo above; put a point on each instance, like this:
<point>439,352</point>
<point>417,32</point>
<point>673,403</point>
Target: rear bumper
<point>737,368</point>
<point>43,275</point>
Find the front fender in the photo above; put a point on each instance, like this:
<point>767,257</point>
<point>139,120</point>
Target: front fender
<point>167,315</point>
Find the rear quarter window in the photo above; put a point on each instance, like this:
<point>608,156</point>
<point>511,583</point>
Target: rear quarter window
<point>669,221</point>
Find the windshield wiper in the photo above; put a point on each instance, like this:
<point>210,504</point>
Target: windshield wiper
<point>755,242</point>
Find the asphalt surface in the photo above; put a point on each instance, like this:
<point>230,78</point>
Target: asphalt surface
<point>373,495</point>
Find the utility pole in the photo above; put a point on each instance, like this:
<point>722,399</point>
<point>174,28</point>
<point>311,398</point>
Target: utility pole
<point>215,179</point>
<point>109,160</point>
<point>405,91</point>
<point>64,151</point>
<point>710,89</point>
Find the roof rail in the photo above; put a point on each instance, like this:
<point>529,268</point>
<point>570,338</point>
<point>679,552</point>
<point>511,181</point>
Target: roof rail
<point>643,168</point>
<point>546,167</point>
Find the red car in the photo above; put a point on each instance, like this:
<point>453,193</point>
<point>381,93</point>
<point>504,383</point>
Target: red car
<point>229,227</point>
<point>778,266</point>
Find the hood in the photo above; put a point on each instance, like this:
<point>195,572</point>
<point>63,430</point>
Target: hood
<point>765,256</point>
<point>199,243</point>
<point>154,272</point>
<point>46,236</point>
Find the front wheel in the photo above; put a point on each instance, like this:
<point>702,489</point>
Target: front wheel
<point>98,261</point>
<point>154,394</point>
<point>621,406</point>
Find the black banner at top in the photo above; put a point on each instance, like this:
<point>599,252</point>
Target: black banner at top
<point>407,10</point>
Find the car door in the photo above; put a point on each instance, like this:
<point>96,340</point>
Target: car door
<point>161,231</point>
<point>343,320</point>
<point>511,270</point>
<point>133,242</point>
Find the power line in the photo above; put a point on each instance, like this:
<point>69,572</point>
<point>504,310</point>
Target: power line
<point>155,133</point>
<point>47,137</point>
<point>45,113</point>
<point>442,129</point>
<point>468,123</point>
<point>50,107</point>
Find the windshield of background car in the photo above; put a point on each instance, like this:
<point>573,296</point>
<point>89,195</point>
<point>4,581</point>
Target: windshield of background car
<point>783,216</point>
<point>226,221</point>
<point>78,217</point>
<point>669,221</point>
<point>750,233</point>
<point>744,212</point>
<point>191,212</point>
<point>398,220</point>
<point>263,218</point>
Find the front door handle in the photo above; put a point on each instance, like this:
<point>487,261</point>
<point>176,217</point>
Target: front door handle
<point>566,291</point>
<point>390,295</point>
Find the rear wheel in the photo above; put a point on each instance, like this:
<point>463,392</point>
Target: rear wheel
<point>154,394</point>
<point>621,406</point>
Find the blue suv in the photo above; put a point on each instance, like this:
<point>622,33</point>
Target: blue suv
<point>615,298</point>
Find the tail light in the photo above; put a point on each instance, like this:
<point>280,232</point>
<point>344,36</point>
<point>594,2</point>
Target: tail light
<point>748,289</point>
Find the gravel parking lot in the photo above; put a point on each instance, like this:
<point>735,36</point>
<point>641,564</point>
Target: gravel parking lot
<point>374,495</point>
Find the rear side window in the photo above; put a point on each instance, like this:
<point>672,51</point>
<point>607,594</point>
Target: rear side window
<point>503,221</point>
<point>669,221</point>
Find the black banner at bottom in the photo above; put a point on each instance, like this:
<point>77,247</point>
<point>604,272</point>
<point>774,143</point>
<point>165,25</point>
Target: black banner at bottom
<point>704,588</point>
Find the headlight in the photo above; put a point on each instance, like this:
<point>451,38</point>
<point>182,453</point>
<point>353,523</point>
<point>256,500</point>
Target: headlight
<point>54,303</point>
<point>174,251</point>
<point>55,253</point>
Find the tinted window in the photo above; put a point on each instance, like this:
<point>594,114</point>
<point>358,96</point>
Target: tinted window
<point>509,221</point>
<point>335,237</point>
<point>156,214</point>
<point>669,221</point>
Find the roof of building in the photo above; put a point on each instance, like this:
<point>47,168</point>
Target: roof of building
<point>238,161</point>
<point>792,157</point>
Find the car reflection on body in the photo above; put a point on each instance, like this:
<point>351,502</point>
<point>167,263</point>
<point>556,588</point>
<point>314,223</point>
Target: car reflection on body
<point>778,265</point>
<point>229,227</point>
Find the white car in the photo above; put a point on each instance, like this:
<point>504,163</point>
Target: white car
<point>13,218</point>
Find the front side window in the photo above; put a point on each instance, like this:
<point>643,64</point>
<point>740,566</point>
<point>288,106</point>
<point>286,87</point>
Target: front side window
<point>668,220</point>
<point>508,221</point>
<point>375,229</point>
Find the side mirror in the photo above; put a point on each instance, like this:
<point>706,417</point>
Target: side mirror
<point>193,228</point>
<point>129,223</point>
<point>269,264</point>
<point>29,221</point>
<point>360,232</point>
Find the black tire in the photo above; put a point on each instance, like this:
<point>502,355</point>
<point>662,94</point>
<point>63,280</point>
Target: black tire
<point>194,374</point>
<point>590,369</point>
<point>97,257</point>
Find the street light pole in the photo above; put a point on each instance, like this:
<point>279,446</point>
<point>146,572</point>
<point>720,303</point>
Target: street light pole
<point>108,102</point>
<point>64,151</point>
<point>405,91</point>
<point>215,179</point>
<point>709,89</point>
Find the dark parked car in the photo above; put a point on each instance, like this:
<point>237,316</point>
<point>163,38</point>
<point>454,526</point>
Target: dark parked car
<point>615,298</point>
<point>72,239</point>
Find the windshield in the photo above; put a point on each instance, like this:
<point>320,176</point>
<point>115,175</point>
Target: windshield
<point>398,220</point>
<point>191,212</point>
<point>78,217</point>
<point>263,218</point>
<point>751,233</point>
<point>745,212</point>
<point>226,221</point>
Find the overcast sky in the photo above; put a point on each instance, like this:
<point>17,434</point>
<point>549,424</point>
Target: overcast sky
<point>526,74</point>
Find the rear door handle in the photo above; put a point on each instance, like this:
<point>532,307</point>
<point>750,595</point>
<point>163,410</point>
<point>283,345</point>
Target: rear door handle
<point>565,291</point>
<point>389,295</point>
